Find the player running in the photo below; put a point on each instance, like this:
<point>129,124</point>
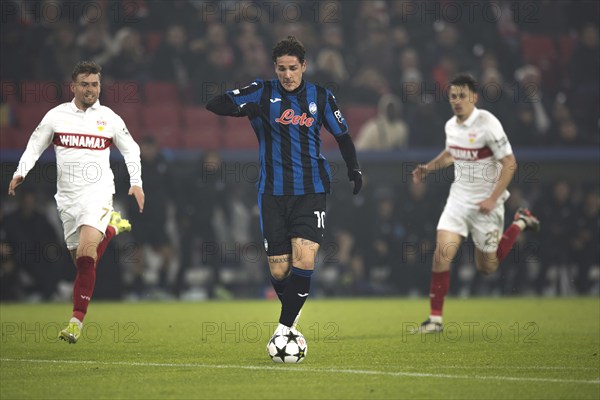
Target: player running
<point>82,132</point>
<point>484,165</point>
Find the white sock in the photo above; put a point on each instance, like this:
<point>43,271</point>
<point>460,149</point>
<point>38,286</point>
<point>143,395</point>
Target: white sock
<point>282,327</point>
<point>436,318</point>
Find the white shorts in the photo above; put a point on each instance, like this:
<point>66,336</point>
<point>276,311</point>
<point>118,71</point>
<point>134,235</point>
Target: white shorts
<point>485,229</point>
<point>95,214</point>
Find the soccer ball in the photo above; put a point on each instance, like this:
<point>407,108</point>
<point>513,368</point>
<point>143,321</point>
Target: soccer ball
<point>288,346</point>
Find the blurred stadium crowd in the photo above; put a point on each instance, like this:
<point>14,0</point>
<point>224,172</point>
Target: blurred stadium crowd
<point>388,63</point>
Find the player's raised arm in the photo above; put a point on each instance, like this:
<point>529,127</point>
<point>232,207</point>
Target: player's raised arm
<point>223,105</point>
<point>238,102</point>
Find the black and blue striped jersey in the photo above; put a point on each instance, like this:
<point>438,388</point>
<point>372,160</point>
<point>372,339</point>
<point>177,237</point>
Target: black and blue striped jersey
<point>288,132</point>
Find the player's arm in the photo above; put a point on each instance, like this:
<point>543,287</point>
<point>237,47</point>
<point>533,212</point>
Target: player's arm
<point>442,160</point>
<point>131,152</point>
<point>509,166</point>
<point>238,103</point>
<point>498,142</point>
<point>336,124</point>
<point>223,105</point>
<point>38,142</point>
<point>349,155</point>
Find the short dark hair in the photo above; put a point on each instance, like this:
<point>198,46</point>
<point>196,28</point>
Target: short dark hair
<point>465,80</point>
<point>289,47</point>
<point>85,67</point>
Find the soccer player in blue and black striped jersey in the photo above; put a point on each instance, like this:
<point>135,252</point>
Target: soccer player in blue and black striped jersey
<point>287,114</point>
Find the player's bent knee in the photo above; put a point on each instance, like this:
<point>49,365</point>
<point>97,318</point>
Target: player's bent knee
<point>279,271</point>
<point>279,274</point>
<point>487,268</point>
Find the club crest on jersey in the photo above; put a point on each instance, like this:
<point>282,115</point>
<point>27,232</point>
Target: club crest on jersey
<point>472,136</point>
<point>101,124</point>
<point>312,107</point>
<point>290,117</point>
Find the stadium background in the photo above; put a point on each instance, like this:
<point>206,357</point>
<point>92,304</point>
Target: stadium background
<point>538,62</point>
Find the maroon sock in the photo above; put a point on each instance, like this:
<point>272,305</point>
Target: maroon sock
<point>109,234</point>
<point>84,286</point>
<point>507,241</point>
<point>440,282</point>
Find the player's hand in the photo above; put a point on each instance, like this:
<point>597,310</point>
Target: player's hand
<point>356,177</point>
<point>251,110</point>
<point>140,197</point>
<point>419,173</point>
<point>16,181</point>
<point>486,206</point>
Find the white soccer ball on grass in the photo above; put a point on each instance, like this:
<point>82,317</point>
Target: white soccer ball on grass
<point>288,346</point>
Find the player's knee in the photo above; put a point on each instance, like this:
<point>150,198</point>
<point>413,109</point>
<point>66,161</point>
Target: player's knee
<point>278,275</point>
<point>304,264</point>
<point>440,265</point>
<point>279,272</point>
<point>487,268</point>
<point>88,250</point>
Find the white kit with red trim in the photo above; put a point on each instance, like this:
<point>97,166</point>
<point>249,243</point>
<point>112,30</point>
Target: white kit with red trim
<point>476,146</point>
<point>82,141</point>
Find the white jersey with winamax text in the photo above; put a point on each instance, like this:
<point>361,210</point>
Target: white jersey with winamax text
<point>81,141</point>
<point>476,146</point>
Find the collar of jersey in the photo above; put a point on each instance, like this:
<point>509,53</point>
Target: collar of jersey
<point>293,92</point>
<point>93,106</point>
<point>469,120</point>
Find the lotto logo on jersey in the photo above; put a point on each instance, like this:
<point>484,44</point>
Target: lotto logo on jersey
<point>290,117</point>
<point>78,141</point>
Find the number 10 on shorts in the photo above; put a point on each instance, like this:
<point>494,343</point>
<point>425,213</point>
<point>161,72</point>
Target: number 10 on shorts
<point>320,219</point>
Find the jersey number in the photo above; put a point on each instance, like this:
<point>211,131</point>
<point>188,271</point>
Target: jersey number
<point>320,219</point>
<point>106,210</point>
<point>492,238</point>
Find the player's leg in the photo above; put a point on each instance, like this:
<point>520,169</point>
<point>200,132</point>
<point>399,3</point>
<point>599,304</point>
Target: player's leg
<point>451,230</point>
<point>116,225</point>
<point>491,248</point>
<point>276,240</point>
<point>307,226</point>
<point>304,252</point>
<point>447,246</point>
<point>280,267</point>
<point>523,220</point>
<point>85,280</point>
<point>85,261</point>
<point>84,226</point>
<point>486,230</point>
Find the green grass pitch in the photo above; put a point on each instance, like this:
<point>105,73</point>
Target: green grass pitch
<point>525,348</point>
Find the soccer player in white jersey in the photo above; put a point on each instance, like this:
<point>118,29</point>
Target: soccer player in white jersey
<point>484,165</point>
<point>82,132</point>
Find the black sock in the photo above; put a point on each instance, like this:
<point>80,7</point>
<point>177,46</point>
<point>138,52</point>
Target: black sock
<point>279,286</point>
<point>294,295</point>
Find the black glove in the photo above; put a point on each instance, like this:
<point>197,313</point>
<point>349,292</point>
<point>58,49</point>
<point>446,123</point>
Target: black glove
<point>356,176</point>
<point>251,110</point>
